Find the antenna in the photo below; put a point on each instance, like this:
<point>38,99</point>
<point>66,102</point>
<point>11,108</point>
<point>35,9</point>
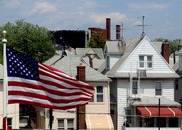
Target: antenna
<point>143,26</point>
<point>122,29</point>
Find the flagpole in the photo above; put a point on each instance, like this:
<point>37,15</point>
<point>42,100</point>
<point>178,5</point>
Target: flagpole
<point>4,40</point>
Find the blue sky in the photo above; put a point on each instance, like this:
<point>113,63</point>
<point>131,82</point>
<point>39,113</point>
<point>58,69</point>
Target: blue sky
<point>162,17</point>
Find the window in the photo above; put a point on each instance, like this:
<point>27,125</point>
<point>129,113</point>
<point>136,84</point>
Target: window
<point>134,87</point>
<point>99,93</point>
<point>61,124</point>
<point>158,88</point>
<point>70,124</point>
<point>92,99</point>
<point>66,124</point>
<point>9,122</point>
<point>177,84</point>
<point>128,114</point>
<point>141,61</point>
<point>145,61</point>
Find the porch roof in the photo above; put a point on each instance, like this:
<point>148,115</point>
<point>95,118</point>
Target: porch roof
<point>164,111</point>
<point>154,101</point>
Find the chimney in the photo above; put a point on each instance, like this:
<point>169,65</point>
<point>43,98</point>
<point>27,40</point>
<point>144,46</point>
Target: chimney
<point>165,50</point>
<point>108,28</point>
<point>118,28</point>
<point>81,123</point>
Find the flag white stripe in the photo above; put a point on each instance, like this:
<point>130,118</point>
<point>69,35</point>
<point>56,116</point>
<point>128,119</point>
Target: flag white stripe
<point>50,87</point>
<point>46,102</point>
<point>42,92</point>
<point>48,78</point>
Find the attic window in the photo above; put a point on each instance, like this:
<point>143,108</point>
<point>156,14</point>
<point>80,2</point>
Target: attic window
<point>145,61</point>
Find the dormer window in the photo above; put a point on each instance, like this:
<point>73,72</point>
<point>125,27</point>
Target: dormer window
<point>145,61</point>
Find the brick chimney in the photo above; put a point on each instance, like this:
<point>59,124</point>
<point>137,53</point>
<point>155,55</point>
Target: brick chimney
<point>118,28</point>
<point>81,119</point>
<point>108,28</point>
<point>165,50</point>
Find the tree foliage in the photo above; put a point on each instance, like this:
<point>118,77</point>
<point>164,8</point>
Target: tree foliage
<point>173,44</point>
<point>28,38</point>
<point>96,40</point>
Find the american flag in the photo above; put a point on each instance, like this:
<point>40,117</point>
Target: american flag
<point>32,82</point>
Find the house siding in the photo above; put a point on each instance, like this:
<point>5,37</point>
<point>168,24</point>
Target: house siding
<point>113,60</point>
<point>147,88</point>
<point>122,93</point>
<point>159,64</point>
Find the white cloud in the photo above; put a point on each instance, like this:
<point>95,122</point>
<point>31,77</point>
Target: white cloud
<point>155,6</point>
<point>11,3</point>
<point>42,7</point>
<point>115,17</point>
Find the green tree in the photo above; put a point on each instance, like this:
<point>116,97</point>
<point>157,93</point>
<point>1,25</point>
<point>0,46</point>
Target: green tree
<point>96,40</point>
<point>28,38</point>
<point>173,44</point>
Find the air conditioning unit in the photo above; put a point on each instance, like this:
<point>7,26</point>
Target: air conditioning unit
<point>141,73</point>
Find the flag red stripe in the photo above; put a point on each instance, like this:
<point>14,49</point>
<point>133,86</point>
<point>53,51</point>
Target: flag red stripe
<point>39,87</point>
<point>72,82</point>
<point>45,105</point>
<point>44,97</point>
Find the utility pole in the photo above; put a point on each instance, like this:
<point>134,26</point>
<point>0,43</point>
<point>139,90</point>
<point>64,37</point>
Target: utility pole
<point>159,121</point>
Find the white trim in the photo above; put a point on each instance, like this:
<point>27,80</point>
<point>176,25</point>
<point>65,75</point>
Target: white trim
<point>172,111</point>
<point>148,111</point>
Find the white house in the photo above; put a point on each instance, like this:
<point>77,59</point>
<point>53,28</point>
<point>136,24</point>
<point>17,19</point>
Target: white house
<point>142,82</point>
<point>12,109</point>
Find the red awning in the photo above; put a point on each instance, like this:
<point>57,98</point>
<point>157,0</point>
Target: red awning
<point>164,111</point>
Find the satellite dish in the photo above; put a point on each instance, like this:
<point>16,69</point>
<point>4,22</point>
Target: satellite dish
<point>42,113</point>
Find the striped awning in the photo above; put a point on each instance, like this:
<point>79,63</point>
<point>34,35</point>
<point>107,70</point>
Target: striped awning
<point>164,111</point>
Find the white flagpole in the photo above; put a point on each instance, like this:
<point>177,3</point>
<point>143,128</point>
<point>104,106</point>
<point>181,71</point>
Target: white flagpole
<point>4,40</point>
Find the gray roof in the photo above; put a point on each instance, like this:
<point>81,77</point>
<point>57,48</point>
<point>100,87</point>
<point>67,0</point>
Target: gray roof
<point>54,59</point>
<point>96,62</point>
<point>115,46</point>
<point>131,45</point>
<point>68,64</point>
<point>158,46</point>
<point>154,101</point>
<point>179,52</point>
<point>83,51</point>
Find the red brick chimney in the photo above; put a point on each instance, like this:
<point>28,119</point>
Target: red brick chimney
<point>165,50</point>
<point>118,28</point>
<point>81,119</point>
<point>108,28</point>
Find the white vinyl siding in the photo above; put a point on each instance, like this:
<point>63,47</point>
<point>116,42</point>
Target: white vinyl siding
<point>123,94</point>
<point>113,60</point>
<point>145,48</point>
<point>147,88</point>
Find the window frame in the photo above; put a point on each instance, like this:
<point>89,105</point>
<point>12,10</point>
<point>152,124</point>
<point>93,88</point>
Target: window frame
<point>135,88</point>
<point>65,124</point>
<point>99,94</point>
<point>63,127</point>
<point>70,127</point>
<point>159,92</point>
<point>96,95</point>
<point>145,61</point>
